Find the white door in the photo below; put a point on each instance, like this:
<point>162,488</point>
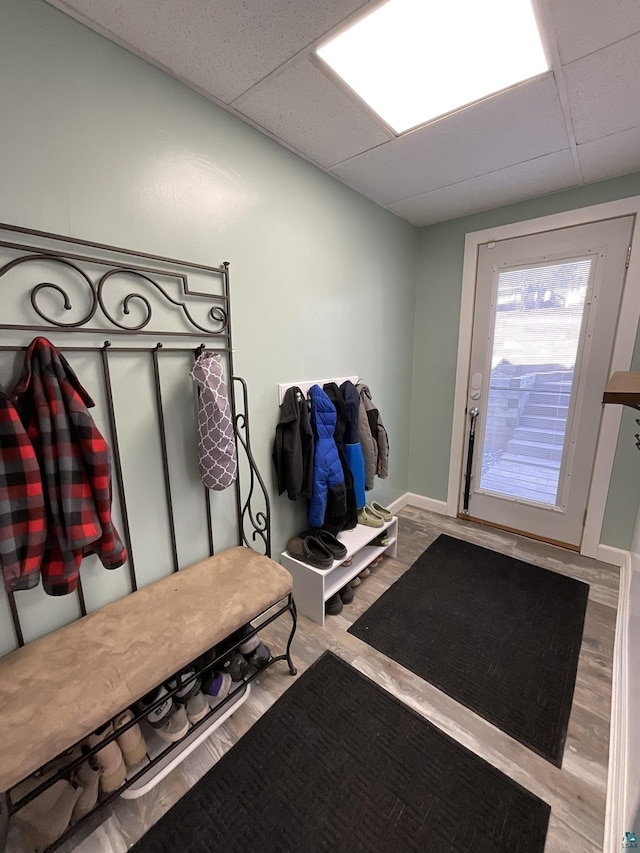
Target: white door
<point>544,323</point>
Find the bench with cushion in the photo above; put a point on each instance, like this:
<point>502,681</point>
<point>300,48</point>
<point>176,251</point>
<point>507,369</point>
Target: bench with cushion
<point>60,688</point>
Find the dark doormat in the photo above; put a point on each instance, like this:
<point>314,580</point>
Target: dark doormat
<point>498,635</point>
<point>338,764</point>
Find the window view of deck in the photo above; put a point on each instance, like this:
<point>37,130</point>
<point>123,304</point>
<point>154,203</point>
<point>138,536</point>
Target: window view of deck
<point>538,319</point>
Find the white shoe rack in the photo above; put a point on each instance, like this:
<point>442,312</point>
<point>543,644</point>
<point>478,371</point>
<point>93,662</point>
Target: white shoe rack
<point>312,587</point>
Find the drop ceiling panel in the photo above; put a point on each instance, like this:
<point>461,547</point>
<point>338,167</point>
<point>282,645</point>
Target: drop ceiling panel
<point>517,125</point>
<point>516,183</point>
<point>584,26</point>
<point>604,90</point>
<point>220,47</point>
<point>316,117</point>
<point>252,56</point>
<point>610,156</point>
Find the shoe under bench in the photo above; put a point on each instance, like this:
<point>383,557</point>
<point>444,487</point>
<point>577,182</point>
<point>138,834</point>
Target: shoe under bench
<point>56,690</point>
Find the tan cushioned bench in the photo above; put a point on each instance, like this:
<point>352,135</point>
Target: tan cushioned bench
<point>60,688</point>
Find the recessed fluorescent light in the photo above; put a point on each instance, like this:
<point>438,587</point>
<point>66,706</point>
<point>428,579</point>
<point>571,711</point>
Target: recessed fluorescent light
<point>414,60</point>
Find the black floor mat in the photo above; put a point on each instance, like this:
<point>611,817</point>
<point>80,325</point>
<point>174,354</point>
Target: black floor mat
<point>338,764</point>
<point>498,635</point>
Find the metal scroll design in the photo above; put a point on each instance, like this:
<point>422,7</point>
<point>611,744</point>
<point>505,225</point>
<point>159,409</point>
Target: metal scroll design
<point>95,291</point>
<point>48,285</point>
<point>216,314</point>
<point>252,522</point>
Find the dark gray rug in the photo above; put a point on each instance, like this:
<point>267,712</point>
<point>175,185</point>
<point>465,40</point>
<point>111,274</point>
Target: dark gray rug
<point>498,635</point>
<point>337,764</point>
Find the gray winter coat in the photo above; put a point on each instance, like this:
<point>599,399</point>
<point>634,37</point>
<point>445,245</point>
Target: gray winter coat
<point>373,438</point>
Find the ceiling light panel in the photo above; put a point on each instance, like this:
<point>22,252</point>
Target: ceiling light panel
<point>414,60</point>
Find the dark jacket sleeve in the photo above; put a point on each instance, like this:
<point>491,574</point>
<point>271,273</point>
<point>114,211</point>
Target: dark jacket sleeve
<point>307,445</point>
<point>292,447</point>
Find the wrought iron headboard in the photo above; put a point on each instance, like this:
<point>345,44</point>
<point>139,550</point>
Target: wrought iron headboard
<point>112,291</point>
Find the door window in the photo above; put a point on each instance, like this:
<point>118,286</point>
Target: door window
<point>538,320</point>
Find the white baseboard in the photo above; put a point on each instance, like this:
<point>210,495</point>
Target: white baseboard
<point>398,504</point>
<point>423,502</point>
<point>615,816</point>
<point>613,556</point>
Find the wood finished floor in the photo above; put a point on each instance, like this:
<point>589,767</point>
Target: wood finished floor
<point>576,793</point>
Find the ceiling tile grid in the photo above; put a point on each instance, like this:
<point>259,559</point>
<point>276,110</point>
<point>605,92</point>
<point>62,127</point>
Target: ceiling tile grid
<point>221,47</point>
<point>610,156</point>
<point>254,58</point>
<point>316,117</point>
<point>505,186</point>
<point>511,127</point>
<point>604,90</point>
<point>584,26</point>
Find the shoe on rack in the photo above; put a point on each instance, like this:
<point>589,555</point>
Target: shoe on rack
<point>330,542</point>
<point>260,656</point>
<point>55,764</point>
<point>333,605</point>
<point>251,641</point>
<point>369,518</point>
<point>189,695</point>
<point>169,719</point>
<point>49,815</point>
<point>87,779</point>
<point>309,549</point>
<point>380,510</point>
<point>346,594</point>
<point>218,685</point>
<point>252,649</point>
<point>109,758</point>
<point>234,664</point>
<point>132,743</point>
<point>381,539</point>
<point>355,582</point>
<point>365,572</point>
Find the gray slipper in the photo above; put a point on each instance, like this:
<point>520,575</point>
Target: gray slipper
<point>333,545</point>
<point>310,550</point>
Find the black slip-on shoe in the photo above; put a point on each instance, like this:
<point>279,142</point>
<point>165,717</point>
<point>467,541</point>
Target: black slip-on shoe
<point>309,549</point>
<point>332,543</point>
<point>333,605</point>
<point>346,594</point>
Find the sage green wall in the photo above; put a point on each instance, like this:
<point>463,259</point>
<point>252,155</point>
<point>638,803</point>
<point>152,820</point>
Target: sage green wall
<point>438,295</point>
<point>98,144</point>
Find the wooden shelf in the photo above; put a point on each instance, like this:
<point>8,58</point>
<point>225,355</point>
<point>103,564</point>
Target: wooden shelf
<point>623,387</point>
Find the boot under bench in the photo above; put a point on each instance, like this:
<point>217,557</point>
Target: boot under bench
<point>58,689</point>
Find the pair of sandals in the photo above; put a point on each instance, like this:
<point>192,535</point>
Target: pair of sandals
<point>374,514</point>
<point>318,548</point>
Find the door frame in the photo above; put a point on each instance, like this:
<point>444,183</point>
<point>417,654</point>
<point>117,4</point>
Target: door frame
<point>623,347</point>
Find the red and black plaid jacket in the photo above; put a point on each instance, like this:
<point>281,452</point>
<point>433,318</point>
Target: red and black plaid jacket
<point>23,528</point>
<point>74,466</point>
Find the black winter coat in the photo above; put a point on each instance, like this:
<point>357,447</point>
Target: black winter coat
<point>293,446</point>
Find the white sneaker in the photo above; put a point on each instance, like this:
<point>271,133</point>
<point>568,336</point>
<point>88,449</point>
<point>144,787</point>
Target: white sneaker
<point>190,695</point>
<point>169,719</point>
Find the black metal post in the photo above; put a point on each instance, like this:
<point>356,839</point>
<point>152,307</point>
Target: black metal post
<point>473,414</point>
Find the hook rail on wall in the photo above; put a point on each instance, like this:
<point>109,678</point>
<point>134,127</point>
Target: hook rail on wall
<point>307,383</point>
<point>46,277</point>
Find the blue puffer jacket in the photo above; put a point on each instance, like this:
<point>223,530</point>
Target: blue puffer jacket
<point>327,470</point>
